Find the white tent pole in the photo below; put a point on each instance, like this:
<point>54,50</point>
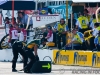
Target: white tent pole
<point>36,5</point>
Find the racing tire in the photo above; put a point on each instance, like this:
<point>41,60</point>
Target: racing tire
<point>3,40</point>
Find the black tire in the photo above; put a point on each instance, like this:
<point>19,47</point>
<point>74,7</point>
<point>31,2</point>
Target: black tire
<point>2,40</point>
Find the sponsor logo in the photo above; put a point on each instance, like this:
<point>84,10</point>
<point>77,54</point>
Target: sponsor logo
<point>61,57</point>
<point>46,18</point>
<point>43,11</point>
<point>78,57</point>
<point>95,59</point>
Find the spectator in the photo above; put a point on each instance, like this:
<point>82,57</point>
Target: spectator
<point>78,40</point>
<point>93,21</point>
<point>48,37</point>
<point>7,25</point>
<point>61,29</point>
<point>14,23</point>
<point>82,23</point>
<point>24,19</point>
<point>18,20</point>
<point>96,29</point>
<point>97,41</point>
<point>87,15</point>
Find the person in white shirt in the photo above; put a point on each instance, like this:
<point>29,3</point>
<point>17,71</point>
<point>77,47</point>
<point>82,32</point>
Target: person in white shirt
<point>49,37</point>
<point>7,26</point>
<point>13,33</point>
<point>22,34</point>
<point>96,29</point>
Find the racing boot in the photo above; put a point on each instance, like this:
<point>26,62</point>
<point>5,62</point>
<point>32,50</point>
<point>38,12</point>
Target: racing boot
<point>26,70</point>
<point>14,70</point>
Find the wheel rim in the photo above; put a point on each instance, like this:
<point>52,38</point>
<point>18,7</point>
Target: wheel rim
<point>4,43</point>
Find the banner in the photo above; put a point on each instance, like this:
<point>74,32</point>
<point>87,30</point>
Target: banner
<point>92,10</point>
<point>83,58</point>
<point>63,57</point>
<point>61,9</point>
<point>96,59</point>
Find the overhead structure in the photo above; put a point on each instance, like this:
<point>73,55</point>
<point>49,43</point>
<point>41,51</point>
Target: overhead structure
<point>18,4</point>
<point>3,1</point>
<point>85,1</point>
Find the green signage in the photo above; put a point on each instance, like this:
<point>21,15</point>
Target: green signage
<point>46,66</point>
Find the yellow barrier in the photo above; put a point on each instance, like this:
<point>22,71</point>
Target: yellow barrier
<point>70,57</point>
<point>96,59</point>
<point>62,57</point>
<point>83,58</point>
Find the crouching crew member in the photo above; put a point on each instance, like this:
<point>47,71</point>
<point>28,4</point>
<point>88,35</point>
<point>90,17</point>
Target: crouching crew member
<point>29,48</point>
<point>97,41</point>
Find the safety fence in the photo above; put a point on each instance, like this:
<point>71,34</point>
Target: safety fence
<point>76,58</point>
<point>61,57</point>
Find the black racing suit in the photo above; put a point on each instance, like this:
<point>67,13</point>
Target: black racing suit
<point>18,48</point>
<point>29,48</point>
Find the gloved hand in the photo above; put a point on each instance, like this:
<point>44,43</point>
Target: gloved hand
<point>37,58</point>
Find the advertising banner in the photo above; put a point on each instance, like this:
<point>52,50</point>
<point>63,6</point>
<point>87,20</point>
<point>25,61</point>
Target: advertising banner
<point>83,58</point>
<point>78,58</point>
<point>63,57</point>
<point>96,59</point>
<point>61,9</point>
